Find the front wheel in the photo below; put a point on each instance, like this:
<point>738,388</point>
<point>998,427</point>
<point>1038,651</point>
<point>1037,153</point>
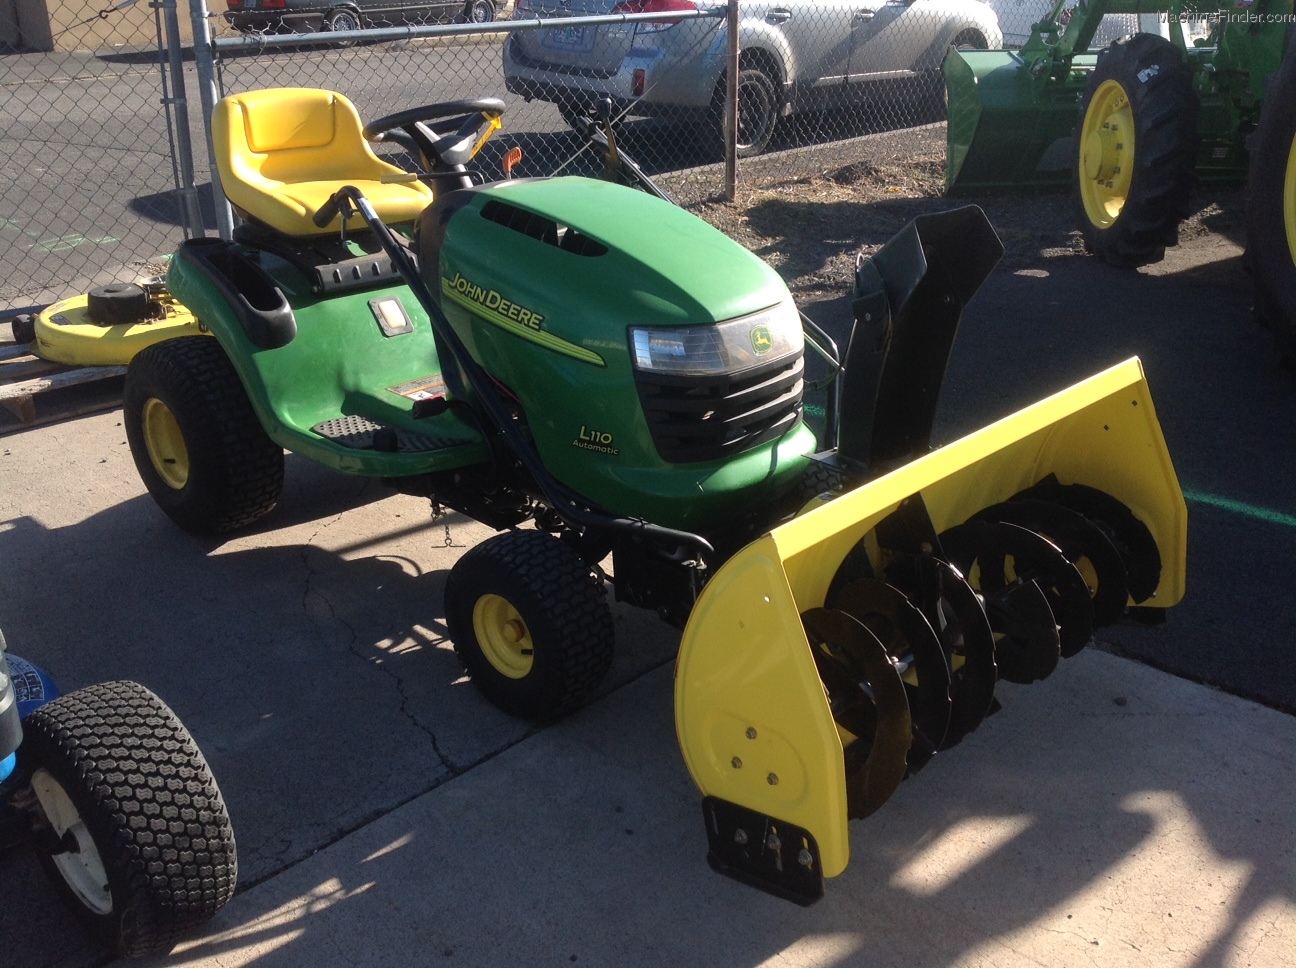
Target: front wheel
<point>196,441</point>
<point>139,841</point>
<point>1271,207</point>
<point>530,622</point>
<point>1136,145</point>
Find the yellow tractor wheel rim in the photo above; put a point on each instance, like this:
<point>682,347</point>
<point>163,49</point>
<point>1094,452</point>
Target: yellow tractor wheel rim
<point>1106,154</point>
<point>165,444</point>
<point>503,636</point>
<point>1289,201</point>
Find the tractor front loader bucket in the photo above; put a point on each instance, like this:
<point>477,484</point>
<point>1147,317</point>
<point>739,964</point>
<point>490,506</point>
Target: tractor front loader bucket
<point>1009,125</point>
<point>838,653</point>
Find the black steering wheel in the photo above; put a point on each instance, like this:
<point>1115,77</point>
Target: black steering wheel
<point>448,143</point>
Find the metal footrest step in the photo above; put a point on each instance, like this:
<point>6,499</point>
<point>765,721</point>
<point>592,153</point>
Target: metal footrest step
<point>362,433</point>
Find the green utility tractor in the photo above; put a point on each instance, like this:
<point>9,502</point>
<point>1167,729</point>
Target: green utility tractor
<point>620,390</point>
<point>1133,126</point>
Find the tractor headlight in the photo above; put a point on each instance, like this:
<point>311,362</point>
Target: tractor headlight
<point>727,347</point>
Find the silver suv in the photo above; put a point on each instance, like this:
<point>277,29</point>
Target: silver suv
<point>797,55</point>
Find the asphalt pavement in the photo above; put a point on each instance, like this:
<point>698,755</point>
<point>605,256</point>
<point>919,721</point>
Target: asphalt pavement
<point>1116,814</point>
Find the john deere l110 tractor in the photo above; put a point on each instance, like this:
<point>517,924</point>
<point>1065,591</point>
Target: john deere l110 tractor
<point>1133,126</point>
<point>620,390</point>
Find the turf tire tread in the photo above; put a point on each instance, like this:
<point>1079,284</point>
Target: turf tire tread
<point>243,469</point>
<point>149,800</point>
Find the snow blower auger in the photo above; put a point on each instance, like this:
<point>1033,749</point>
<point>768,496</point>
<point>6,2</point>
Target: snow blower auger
<point>586,356</point>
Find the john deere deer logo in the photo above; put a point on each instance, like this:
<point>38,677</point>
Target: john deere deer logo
<point>761,340</point>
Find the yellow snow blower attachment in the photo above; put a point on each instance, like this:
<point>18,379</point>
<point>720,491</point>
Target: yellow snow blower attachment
<point>840,652</point>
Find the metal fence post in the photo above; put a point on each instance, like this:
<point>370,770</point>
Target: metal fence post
<point>207,92</point>
<point>731,107</point>
<point>174,98</point>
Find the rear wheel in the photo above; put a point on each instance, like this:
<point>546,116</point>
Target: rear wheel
<point>342,18</point>
<point>1136,143</point>
<point>1271,207</point>
<point>758,111</point>
<point>530,622</point>
<point>139,841</point>
<point>479,12</point>
<point>925,91</point>
<point>196,441</point>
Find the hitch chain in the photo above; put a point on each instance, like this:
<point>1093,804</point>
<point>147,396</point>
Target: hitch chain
<point>439,512</point>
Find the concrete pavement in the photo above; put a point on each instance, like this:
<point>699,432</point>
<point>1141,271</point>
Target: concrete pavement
<point>1112,815</point>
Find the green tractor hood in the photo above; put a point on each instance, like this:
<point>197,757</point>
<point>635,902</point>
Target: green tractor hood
<point>658,363</point>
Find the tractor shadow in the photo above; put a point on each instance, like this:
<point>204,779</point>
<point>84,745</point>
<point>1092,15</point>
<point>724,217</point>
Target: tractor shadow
<point>307,655</point>
<point>1098,813</point>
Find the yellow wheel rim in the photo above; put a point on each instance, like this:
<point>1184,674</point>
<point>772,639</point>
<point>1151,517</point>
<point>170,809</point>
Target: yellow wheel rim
<point>1106,154</point>
<point>1289,201</point>
<point>165,444</point>
<point>504,638</point>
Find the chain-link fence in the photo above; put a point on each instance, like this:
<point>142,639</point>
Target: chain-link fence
<point>89,184</point>
<point>95,163</point>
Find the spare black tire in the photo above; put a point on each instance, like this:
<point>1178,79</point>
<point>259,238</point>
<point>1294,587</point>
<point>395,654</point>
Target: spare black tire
<point>142,847</point>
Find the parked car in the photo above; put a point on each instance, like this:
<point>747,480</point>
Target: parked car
<point>306,16</point>
<point>797,55</point>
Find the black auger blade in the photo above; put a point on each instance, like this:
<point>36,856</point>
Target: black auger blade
<point>999,557</point>
<point>908,548</point>
<point>1083,543</point>
<point>963,630</point>
<point>916,653</point>
<point>1027,644</point>
<point>1130,536</point>
<point>867,698</point>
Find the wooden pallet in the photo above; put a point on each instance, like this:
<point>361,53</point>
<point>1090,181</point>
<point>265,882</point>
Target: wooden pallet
<point>34,391</point>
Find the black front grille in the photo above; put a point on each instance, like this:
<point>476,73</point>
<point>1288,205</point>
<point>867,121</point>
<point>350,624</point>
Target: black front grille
<point>703,418</point>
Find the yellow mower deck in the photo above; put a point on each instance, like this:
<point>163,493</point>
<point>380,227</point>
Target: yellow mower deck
<point>752,714</point>
<point>66,334</point>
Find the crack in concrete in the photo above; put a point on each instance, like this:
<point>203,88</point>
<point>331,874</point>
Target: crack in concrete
<point>354,647</point>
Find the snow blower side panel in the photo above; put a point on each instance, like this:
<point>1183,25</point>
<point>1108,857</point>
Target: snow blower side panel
<point>800,705</point>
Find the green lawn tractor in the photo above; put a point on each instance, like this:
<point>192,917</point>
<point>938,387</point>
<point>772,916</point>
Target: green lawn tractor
<point>620,390</point>
<point>1132,126</point>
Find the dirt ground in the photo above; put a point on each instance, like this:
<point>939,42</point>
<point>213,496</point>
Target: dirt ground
<point>811,228</point>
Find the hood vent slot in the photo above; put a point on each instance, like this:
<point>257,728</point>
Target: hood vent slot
<point>543,229</point>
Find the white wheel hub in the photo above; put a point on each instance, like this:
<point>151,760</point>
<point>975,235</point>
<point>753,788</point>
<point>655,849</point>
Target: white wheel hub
<point>82,869</point>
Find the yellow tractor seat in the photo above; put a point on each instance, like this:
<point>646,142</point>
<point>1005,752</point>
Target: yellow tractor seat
<point>281,152</point>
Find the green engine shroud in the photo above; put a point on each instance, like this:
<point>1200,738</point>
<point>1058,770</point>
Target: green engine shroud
<point>543,281</point>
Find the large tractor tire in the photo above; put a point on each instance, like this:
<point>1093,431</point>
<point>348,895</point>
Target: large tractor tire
<point>1271,207</point>
<point>1136,146</point>
<point>139,842</point>
<point>530,622</point>
<point>196,441</point>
